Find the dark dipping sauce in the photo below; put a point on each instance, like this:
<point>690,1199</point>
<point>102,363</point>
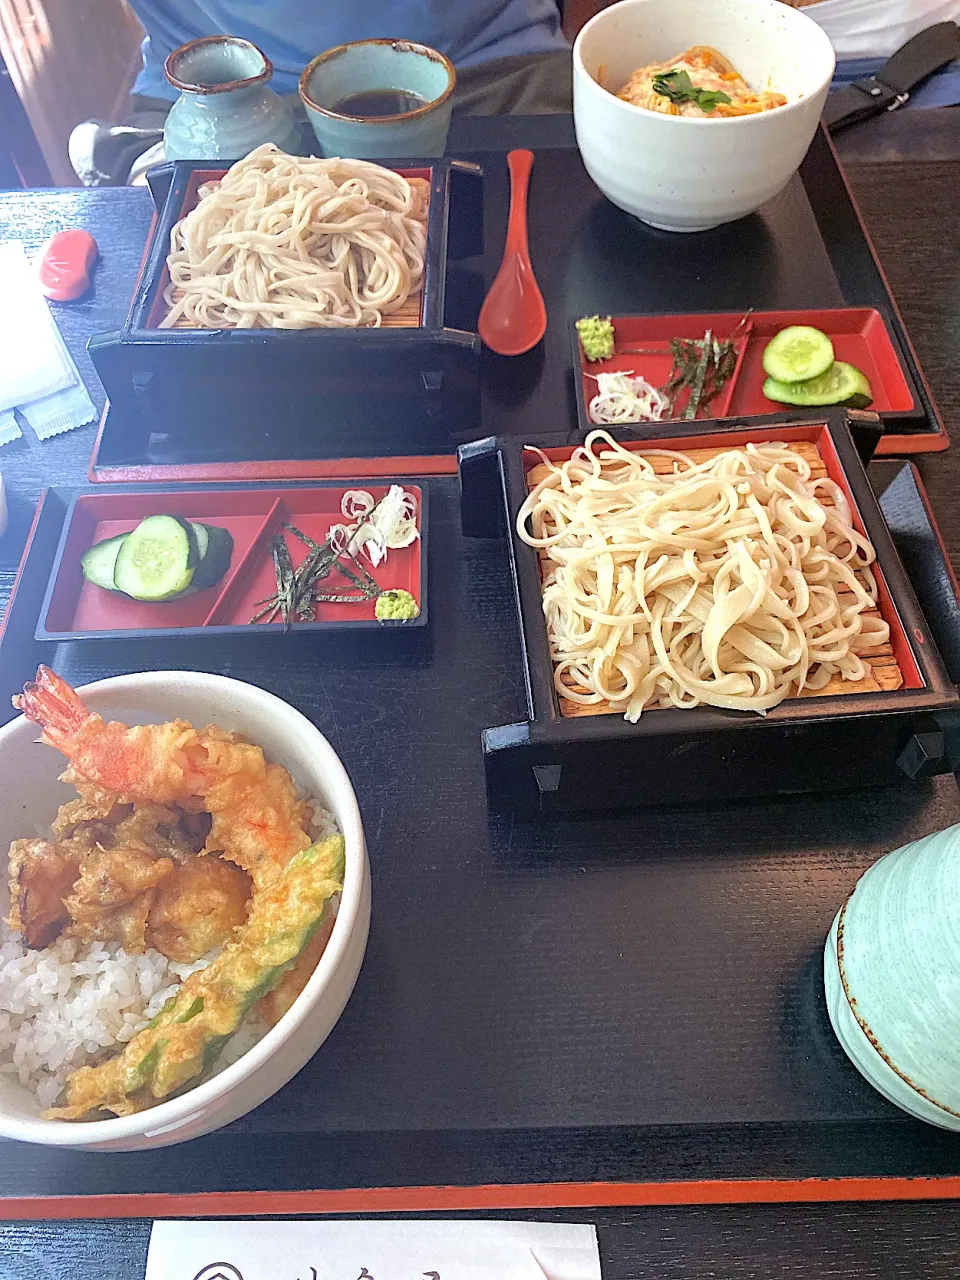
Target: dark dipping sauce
<point>379,102</point>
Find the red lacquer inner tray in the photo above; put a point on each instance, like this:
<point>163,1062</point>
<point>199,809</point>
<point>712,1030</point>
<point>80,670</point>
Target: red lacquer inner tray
<point>74,608</point>
<point>859,335</point>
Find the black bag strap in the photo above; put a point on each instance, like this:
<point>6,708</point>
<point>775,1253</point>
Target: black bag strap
<point>891,87</point>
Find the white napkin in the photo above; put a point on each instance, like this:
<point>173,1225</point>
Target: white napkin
<point>566,1263</point>
<point>387,1249</point>
<point>37,372</point>
<point>31,364</point>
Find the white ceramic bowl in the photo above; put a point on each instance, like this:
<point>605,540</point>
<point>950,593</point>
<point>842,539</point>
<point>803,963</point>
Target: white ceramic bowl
<point>892,977</point>
<point>287,738</point>
<point>687,174</point>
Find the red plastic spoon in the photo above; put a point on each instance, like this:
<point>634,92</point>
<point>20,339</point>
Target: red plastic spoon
<point>513,318</point>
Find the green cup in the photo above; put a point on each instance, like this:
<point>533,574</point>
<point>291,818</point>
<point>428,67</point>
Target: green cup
<point>345,90</point>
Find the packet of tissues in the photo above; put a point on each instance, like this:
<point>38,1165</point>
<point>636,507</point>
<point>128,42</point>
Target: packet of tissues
<point>37,373</point>
<point>9,427</point>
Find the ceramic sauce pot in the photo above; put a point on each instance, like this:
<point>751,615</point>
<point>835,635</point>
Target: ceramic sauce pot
<point>892,977</point>
<point>225,108</point>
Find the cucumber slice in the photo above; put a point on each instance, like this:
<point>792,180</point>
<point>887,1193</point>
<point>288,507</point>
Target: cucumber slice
<point>196,555</point>
<point>201,538</point>
<point>154,562</point>
<point>841,384</point>
<point>217,554</point>
<point>98,562</point>
<point>797,353</point>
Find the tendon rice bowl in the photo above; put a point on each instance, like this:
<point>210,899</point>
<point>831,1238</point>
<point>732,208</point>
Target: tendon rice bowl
<point>114,1001</point>
<point>63,1006</point>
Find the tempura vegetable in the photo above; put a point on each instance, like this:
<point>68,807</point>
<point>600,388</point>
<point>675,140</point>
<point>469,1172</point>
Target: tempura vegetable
<point>197,907</point>
<point>190,1031</point>
<point>258,822</point>
<point>131,876</point>
<point>112,897</point>
<point>277,1002</point>
<point>41,874</point>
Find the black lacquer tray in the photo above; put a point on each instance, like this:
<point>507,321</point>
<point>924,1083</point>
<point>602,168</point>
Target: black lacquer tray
<point>633,999</point>
<point>729,1242</point>
<point>553,762</point>
<point>806,249</point>
<point>335,385</point>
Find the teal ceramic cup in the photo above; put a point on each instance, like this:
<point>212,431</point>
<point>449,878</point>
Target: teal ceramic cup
<point>365,69</point>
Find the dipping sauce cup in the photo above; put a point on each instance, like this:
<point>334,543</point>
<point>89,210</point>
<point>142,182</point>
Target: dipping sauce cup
<point>376,68</point>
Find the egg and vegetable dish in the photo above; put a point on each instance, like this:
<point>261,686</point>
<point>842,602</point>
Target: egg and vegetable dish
<point>699,82</point>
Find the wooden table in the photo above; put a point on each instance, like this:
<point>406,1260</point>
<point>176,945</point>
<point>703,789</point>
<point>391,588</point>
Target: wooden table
<point>781,1120</point>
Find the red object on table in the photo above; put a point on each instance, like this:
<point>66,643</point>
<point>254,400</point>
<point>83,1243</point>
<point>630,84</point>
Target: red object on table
<point>513,317</point>
<point>66,265</point>
<point>252,516</point>
<point>859,335</point>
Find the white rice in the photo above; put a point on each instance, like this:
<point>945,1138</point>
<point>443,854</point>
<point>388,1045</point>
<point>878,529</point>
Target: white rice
<point>70,1004</point>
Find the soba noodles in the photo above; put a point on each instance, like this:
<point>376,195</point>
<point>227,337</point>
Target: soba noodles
<point>726,582</point>
<point>290,243</point>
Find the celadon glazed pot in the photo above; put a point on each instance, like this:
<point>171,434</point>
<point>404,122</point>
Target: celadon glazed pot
<point>892,977</point>
<point>225,108</point>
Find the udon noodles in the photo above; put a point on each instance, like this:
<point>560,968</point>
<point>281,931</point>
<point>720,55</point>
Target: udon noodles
<point>290,243</point>
<point>736,582</point>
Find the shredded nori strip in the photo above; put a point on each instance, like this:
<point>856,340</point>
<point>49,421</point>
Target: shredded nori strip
<point>297,595</point>
<point>283,601</point>
<point>700,375</point>
<point>703,366</point>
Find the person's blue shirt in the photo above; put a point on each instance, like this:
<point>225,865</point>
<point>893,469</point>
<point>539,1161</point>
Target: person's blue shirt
<point>291,32</point>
